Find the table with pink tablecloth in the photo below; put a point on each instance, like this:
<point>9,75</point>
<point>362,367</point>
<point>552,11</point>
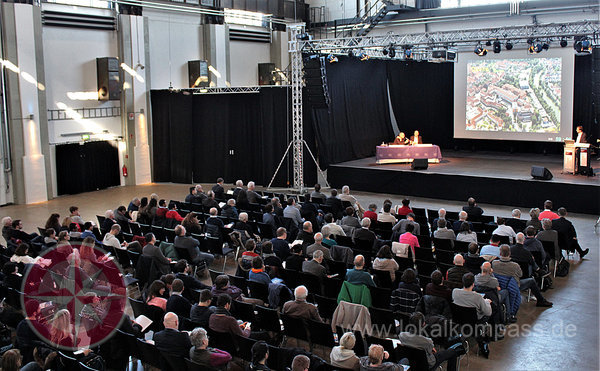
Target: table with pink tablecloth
<point>396,153</point>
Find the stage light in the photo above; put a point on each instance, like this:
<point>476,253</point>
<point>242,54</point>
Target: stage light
<point>304,36</point>
<point>497,47</point>
<point>385,51</point>
<point>362,56</point>
<point>535,47</point>
<point>582,45</point>
<point>488,43</point>
<point>545,46</point>
<point>392,51</point>
<point>509,45</point>
<point>351,54</point>
<point>563,43</point>
<point>332,58</point>
<point>408,53</point>
<point>480,51</point>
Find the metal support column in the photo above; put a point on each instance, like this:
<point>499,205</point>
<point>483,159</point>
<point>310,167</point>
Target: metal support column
<point>297,123</point>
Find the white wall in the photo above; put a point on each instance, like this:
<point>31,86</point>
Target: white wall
<point>174,38</point>
<point>244,58</point>
<point>70,66</point>
<point>336,9</point>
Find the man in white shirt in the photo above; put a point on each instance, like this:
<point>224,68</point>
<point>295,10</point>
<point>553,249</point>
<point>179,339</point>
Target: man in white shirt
<point>334,228</point>
<point>292,212</point>
<point>581,136</point>
<point>110,239</point>
<point>386,216</point>
<point>504,230</point>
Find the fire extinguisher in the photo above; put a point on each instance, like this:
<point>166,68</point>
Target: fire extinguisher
<point>124,171</point>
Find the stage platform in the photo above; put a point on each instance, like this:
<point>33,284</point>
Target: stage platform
<point>503,179</point>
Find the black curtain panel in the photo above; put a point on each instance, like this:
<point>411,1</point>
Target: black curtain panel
<point>583,108</point>
<point>359,116</point>
<point>87,167</point>
<point>161,133</point>
<point>198,138</point>
<point>422,99</point>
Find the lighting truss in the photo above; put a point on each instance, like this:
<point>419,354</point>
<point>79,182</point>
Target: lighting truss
<point>426,40</point>
<point>224,90</point>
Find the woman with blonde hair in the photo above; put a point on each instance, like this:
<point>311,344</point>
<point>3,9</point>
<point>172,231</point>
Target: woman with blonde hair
<point>60,330</point>
<point>343,355</point>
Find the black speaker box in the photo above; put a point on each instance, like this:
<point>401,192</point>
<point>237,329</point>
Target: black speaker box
<point>541,173</point>
<point>198,74</point>
<point>109,82</point>
<point>419,164</point>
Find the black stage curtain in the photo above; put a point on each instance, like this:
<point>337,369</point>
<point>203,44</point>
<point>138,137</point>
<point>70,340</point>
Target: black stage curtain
<point>95,165</point>
<point>422,99</point>
<point>583,108</point>
<point>198,138</point>
<point>359,115</point>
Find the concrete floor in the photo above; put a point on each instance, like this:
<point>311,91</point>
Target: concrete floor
<point>561,337</point>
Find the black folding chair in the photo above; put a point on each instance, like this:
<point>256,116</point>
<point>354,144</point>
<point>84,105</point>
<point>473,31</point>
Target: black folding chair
<point>384,321</point>
<point>294,327</point>
<point>258,290</point>
<point>267,319</point>
<point>326,306</point>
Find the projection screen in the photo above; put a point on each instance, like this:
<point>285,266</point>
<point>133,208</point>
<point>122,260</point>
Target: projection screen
<point>514,95</point>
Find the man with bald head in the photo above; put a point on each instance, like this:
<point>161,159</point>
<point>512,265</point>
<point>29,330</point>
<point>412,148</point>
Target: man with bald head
<point>486,280</point>
<point>506,267</point>
<point>300,308</point>
<point>306,234</point>
<point>454,275</point>
<point>171,340</point>
<point>318,245</point>
<point>357,275</point>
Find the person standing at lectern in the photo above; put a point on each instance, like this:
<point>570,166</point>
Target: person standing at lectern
<point>401,139</point>
<point>416,138</point>
<point>581,137</point>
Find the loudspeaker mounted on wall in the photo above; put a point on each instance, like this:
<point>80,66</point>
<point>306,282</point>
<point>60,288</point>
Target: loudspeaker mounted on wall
<point>198,76</point>
<point>109,82</point>
<point>540,173</point>
<point>419,164</point>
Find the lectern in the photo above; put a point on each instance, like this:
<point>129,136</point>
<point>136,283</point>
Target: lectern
<point>569,155</point>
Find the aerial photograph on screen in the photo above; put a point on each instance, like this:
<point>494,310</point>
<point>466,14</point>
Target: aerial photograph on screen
<point>514,95</point>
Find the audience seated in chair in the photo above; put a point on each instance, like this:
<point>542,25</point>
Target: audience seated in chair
<point>504,266</point>
<point>318,245</point>
<point>296,259</point>
<point>201,311</point>
<point>375,360</point>
<point>455,274</point>
<point>176,302</point>
<point>414,338</point>
<point>343,355</point>
<point>171,340</point>
<point>300,308</point>
<point>314,266</point>
<point>202,354</point>
<point>437,288</point>
<point>357,275</point>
